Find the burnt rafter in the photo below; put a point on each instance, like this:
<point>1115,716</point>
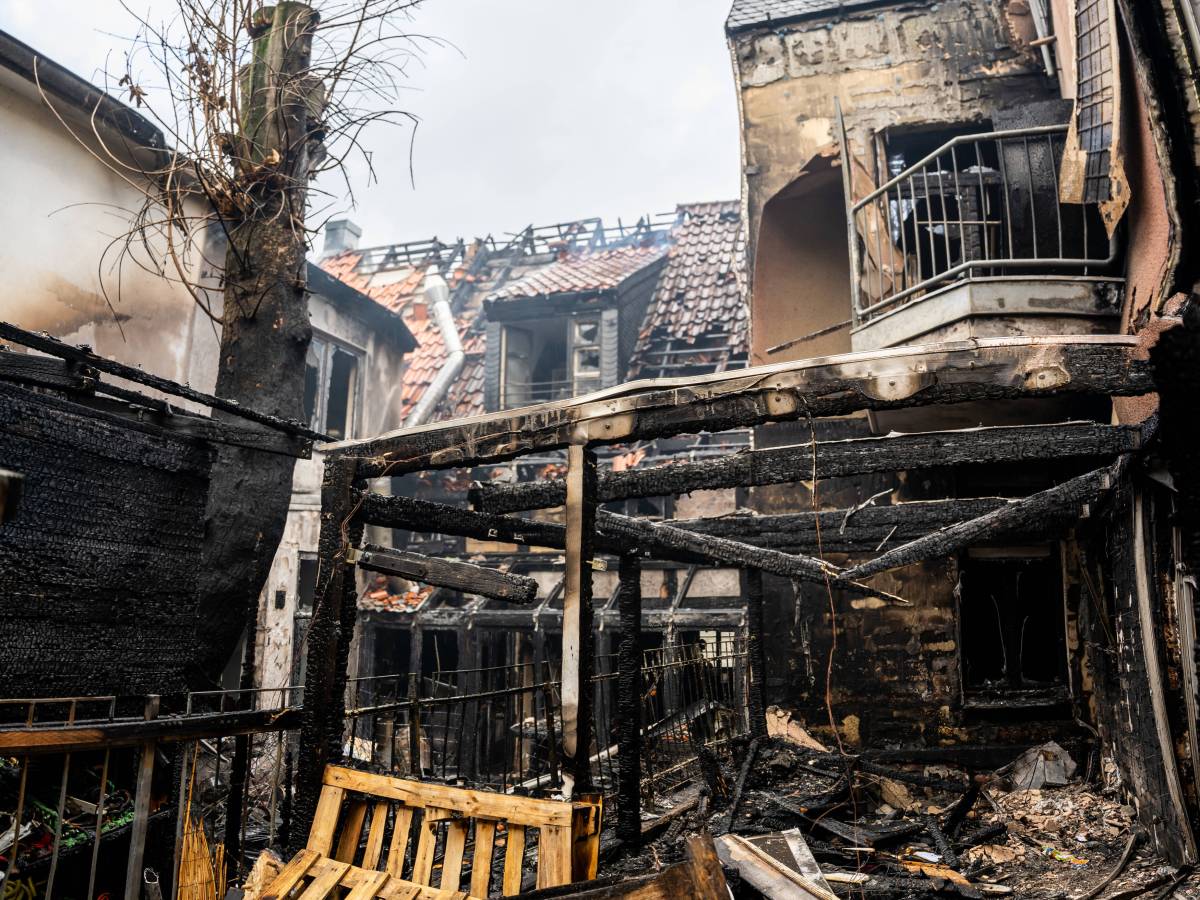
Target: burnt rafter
<point>735,553</point>
<point>1065,499</point>
<point>984,369</point>
<point>830,459</point>
<point>453,574</point>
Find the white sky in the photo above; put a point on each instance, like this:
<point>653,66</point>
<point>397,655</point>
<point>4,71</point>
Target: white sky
<point>542,111</point>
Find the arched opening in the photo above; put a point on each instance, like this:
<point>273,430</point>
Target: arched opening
<point>801,290</point>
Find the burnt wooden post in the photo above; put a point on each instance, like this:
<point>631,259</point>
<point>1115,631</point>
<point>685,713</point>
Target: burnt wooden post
<point>321,724</point>
<point>756,702</point>
<point>629,707</point>
<point>238,782</point>
<point>577,620</point>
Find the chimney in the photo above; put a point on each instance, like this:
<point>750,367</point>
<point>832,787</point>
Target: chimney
<point>340,235</point>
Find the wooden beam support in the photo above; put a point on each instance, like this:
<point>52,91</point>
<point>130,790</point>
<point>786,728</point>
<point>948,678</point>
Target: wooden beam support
<point>629,702</point>
<point>447,573</point>
<point>832,459</point>
<point>985,369</point>
<point>1064,499</point>
<point>735,553</point>
<point>577,620</point>
<point>756,654</point>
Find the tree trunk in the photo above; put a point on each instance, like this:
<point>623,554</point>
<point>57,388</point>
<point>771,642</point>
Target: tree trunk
<point>265,329</point>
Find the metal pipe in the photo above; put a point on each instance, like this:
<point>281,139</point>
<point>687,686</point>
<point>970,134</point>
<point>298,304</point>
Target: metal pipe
<point>437,293</point>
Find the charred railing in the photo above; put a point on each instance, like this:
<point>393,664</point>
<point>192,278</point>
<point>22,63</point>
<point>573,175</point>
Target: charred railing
<point>981,205</point>
<point>498,728</point>
<point>90,808</point>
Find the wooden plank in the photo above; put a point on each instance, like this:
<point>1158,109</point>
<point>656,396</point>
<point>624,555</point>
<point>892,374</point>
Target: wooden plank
<point>1069,496</point>
<point>554,856</point>
<point>328,873</point>
<point>417,794</point>
<point>352,823</point>
<point>984,369</point>
<point>401,828</point>
<point>577,619</point>
<point>374,848</point>
<point>766,873</point>
<point>289,876</point>
<point>452,856</point>
<point>460,576</point>
<point>481,860</point>
<point>585,838</point>
<point>329,806</point>
<point>514,859</point>
<point>426,844</point>
<point>368,887</point>
<point>831,459</point>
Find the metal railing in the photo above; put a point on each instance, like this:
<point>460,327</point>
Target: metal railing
<point>498,728</point>
<point>96,792</point>
<point>981,205</point>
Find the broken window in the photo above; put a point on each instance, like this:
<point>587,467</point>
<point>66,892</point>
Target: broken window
<point>550,359</point>
<point>306,590</point>
<point>331,388</point>
<point>1011,626</point>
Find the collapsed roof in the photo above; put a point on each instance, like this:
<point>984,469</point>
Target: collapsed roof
<point>698,306</point>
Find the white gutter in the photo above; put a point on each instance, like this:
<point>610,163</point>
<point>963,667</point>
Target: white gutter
<point>437,295</point>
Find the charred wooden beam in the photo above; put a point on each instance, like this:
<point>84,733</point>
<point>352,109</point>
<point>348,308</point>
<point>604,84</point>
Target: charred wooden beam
<point>577,632</point>
<point>987,369</point>
<point>1064,499</point>
<point>629,702</point>
<point>10,494</point>
<point>735,553</point>
<point>82,356</point>
<point>830,459</point>
<point>756,653</point>
<point>458,576</point>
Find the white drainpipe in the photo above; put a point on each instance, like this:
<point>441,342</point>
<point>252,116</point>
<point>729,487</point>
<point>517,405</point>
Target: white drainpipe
<point>437,295</point>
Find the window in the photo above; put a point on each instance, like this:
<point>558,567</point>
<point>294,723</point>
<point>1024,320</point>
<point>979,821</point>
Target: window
<point>331,388</point>
<point>306,589</point>
<point>1012,630</point>
<point>550,359</point>
<point>585,355</point>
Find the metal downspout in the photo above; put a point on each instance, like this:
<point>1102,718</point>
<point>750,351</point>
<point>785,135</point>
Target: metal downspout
<point>437,294</point>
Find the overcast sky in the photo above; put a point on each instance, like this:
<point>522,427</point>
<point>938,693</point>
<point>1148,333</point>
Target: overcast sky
<point>540,111</point>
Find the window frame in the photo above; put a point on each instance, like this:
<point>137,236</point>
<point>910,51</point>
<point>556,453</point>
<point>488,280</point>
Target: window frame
<point>328,346</point>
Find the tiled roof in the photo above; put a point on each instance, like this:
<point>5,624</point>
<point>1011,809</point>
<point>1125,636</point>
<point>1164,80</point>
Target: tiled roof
<point>465,397</point>
<point>702,290</point>
<point>748,13</point>
<point>581,272</point>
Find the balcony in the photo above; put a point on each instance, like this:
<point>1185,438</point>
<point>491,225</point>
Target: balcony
<point>973,241</point>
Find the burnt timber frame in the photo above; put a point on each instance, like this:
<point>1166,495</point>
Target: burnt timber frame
<point>991,369</point>
<point>830,459</point>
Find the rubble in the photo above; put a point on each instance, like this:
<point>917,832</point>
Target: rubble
<point>913,829</point>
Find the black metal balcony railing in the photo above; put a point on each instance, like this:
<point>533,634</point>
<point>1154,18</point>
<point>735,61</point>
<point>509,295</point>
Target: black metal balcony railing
<point>981,205</point>
<point>526,393</point>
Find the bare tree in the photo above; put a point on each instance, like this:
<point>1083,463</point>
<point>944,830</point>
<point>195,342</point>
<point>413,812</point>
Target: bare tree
<point>256,102</point>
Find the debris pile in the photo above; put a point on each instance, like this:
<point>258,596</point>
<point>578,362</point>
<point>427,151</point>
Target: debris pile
<point>792,819</point>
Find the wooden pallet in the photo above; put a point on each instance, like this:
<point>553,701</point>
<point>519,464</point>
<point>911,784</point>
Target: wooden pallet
<point>362,841</point>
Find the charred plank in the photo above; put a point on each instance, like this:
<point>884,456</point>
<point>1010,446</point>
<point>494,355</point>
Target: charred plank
<point>987,369</point>
<point>458,576</point>
<point>830,459</point>
<point>1066,498</point>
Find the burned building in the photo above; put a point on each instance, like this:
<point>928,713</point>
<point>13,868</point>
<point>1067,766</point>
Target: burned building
<point>919,173</point>
<point>553,313</point>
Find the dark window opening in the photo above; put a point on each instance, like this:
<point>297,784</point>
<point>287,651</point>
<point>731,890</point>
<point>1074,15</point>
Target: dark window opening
<point>1013,642</point>
<point>551,359</point>
<point>306,589</point>
<point>331,388</point>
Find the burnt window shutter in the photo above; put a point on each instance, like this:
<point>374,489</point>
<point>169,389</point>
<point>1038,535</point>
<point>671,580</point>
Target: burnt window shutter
<point>610,364</point>
<point>491,368</point>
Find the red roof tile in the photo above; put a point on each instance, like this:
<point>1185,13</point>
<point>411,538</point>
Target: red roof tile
<point>702,290</point>
<point>581,272</point>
